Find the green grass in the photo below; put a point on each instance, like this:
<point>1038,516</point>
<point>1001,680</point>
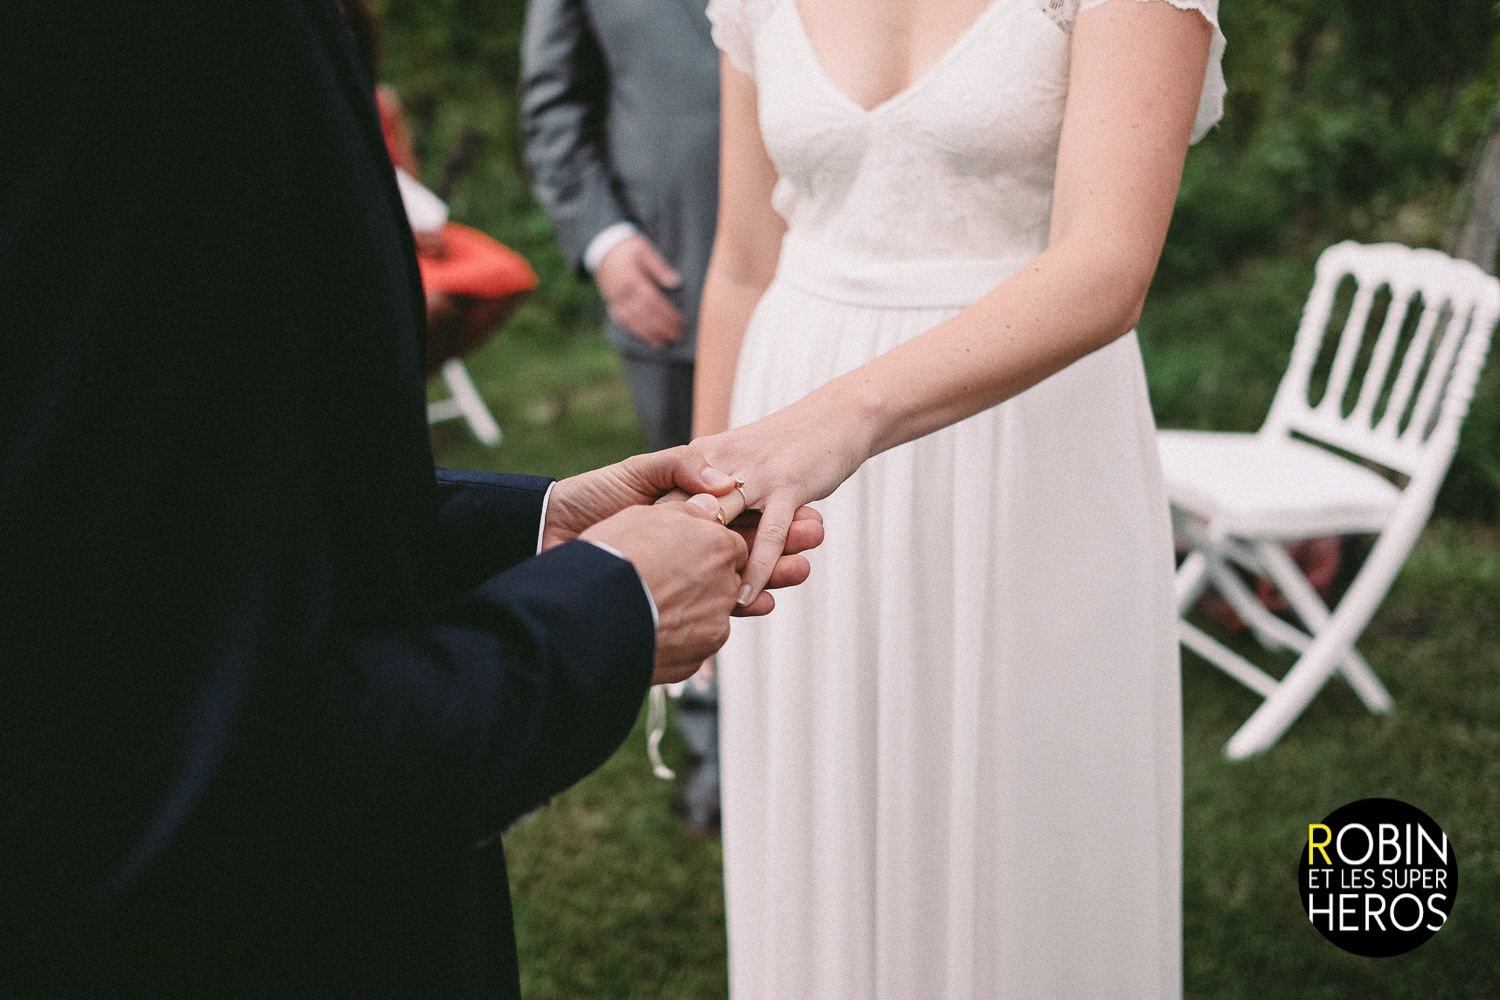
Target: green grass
<point>1436,644</point>
<point>560,400</point>
<point>612,900</point>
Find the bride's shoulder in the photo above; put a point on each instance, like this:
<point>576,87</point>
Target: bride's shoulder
<point>734,23</point>
<point>750,11</point>
<point>1211,102</point>
<point>1064,12</point>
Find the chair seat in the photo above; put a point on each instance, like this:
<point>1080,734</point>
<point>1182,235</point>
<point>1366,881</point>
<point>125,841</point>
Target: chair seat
<point>1251,485</point>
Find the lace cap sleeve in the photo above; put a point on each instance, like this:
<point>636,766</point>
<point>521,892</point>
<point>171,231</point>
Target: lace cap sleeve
<point>732,21</point>
<point>1211,103</point>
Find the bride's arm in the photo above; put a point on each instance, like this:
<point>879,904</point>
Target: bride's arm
<point>1136,73</point>
<point>746,245</point>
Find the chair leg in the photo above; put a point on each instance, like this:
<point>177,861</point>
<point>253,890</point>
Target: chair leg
<point>1207,563</point>
<point>1292,695</point>
<point>1190,580</point>
<point>469,404</point>
<point>1226,659</point>
<point>1272,632</point>
<point>1331,651</point>
<point>1310,607</point>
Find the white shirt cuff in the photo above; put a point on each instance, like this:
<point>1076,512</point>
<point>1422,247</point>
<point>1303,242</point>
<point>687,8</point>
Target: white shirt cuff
<point>609,238</point>
<point>650,601</point>
<point>541,530</point>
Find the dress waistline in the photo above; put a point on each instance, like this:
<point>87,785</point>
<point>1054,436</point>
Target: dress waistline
<point>897,284</point>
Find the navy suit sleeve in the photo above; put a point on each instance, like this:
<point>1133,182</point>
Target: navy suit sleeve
<point>520,687</point>
<point>564,101</point>
<point>485,521</point>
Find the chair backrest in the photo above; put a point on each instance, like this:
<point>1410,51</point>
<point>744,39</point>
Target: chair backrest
<point>1392,390</point>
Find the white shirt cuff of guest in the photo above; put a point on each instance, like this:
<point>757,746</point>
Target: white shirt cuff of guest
<point>609,237</point>
<point>650,601</point>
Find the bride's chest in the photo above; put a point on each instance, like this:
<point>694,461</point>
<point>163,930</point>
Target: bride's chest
<point>991,102</point>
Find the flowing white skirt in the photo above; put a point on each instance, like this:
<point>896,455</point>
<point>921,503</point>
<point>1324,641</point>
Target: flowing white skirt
<point>952,760</point>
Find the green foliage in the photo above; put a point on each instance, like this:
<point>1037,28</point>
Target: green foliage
<point>1216,349</point>
<point>455,64</point>
<point>1405,46</point>
<point>1340,122</point>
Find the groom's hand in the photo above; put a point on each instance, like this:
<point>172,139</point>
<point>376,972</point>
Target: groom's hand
<point>580,502</point>
<point>639,506</point>
<point>691,565</point>
<point>791,568</point>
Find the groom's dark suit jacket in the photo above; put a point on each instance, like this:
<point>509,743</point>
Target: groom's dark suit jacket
<point>266,678</point>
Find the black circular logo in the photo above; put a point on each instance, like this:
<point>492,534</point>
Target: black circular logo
<point>1378,877</point>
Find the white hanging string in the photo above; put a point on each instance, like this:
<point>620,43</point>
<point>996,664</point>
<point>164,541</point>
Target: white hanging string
<point>656,728</point>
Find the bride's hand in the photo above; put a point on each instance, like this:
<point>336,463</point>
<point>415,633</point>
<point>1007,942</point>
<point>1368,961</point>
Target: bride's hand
<point>786,460</point>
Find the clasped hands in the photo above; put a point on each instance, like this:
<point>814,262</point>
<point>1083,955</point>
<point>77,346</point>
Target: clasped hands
<point>682,524</point>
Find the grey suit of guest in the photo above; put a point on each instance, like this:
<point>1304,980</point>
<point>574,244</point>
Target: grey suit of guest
<point>620,112</point>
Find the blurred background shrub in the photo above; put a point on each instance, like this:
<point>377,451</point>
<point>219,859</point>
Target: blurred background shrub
<point>1356,119</point>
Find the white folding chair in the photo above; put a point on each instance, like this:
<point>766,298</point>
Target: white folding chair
<point>464,402</point>
<point>1357,441</point>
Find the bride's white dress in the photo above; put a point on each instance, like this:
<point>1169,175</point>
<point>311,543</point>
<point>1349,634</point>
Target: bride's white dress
<point>951,761</point>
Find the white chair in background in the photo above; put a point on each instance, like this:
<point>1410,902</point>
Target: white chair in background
<point>464,402</point>
<point>1357,441</point>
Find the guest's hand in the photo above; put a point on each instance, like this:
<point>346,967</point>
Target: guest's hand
<point>431,243</point>
<point>691,564</point>
<point>631,278</point>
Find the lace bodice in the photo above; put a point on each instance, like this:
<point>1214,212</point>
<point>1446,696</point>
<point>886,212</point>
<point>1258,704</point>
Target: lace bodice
<point>937,171</point>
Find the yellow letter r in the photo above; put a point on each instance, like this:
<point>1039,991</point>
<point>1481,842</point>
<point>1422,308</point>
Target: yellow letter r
<point>1314,845</point>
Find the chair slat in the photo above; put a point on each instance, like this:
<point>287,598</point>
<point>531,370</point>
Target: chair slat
<point>1350,341</point>
<point>1372,383</point>
<point>1440,374</point>
<point>1412,366</point>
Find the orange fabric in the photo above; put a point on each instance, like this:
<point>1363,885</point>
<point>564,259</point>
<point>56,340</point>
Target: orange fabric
<point>472,265</point>
<point>475,266</point>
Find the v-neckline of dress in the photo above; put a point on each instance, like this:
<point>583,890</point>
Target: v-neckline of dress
<point>913,86</point>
